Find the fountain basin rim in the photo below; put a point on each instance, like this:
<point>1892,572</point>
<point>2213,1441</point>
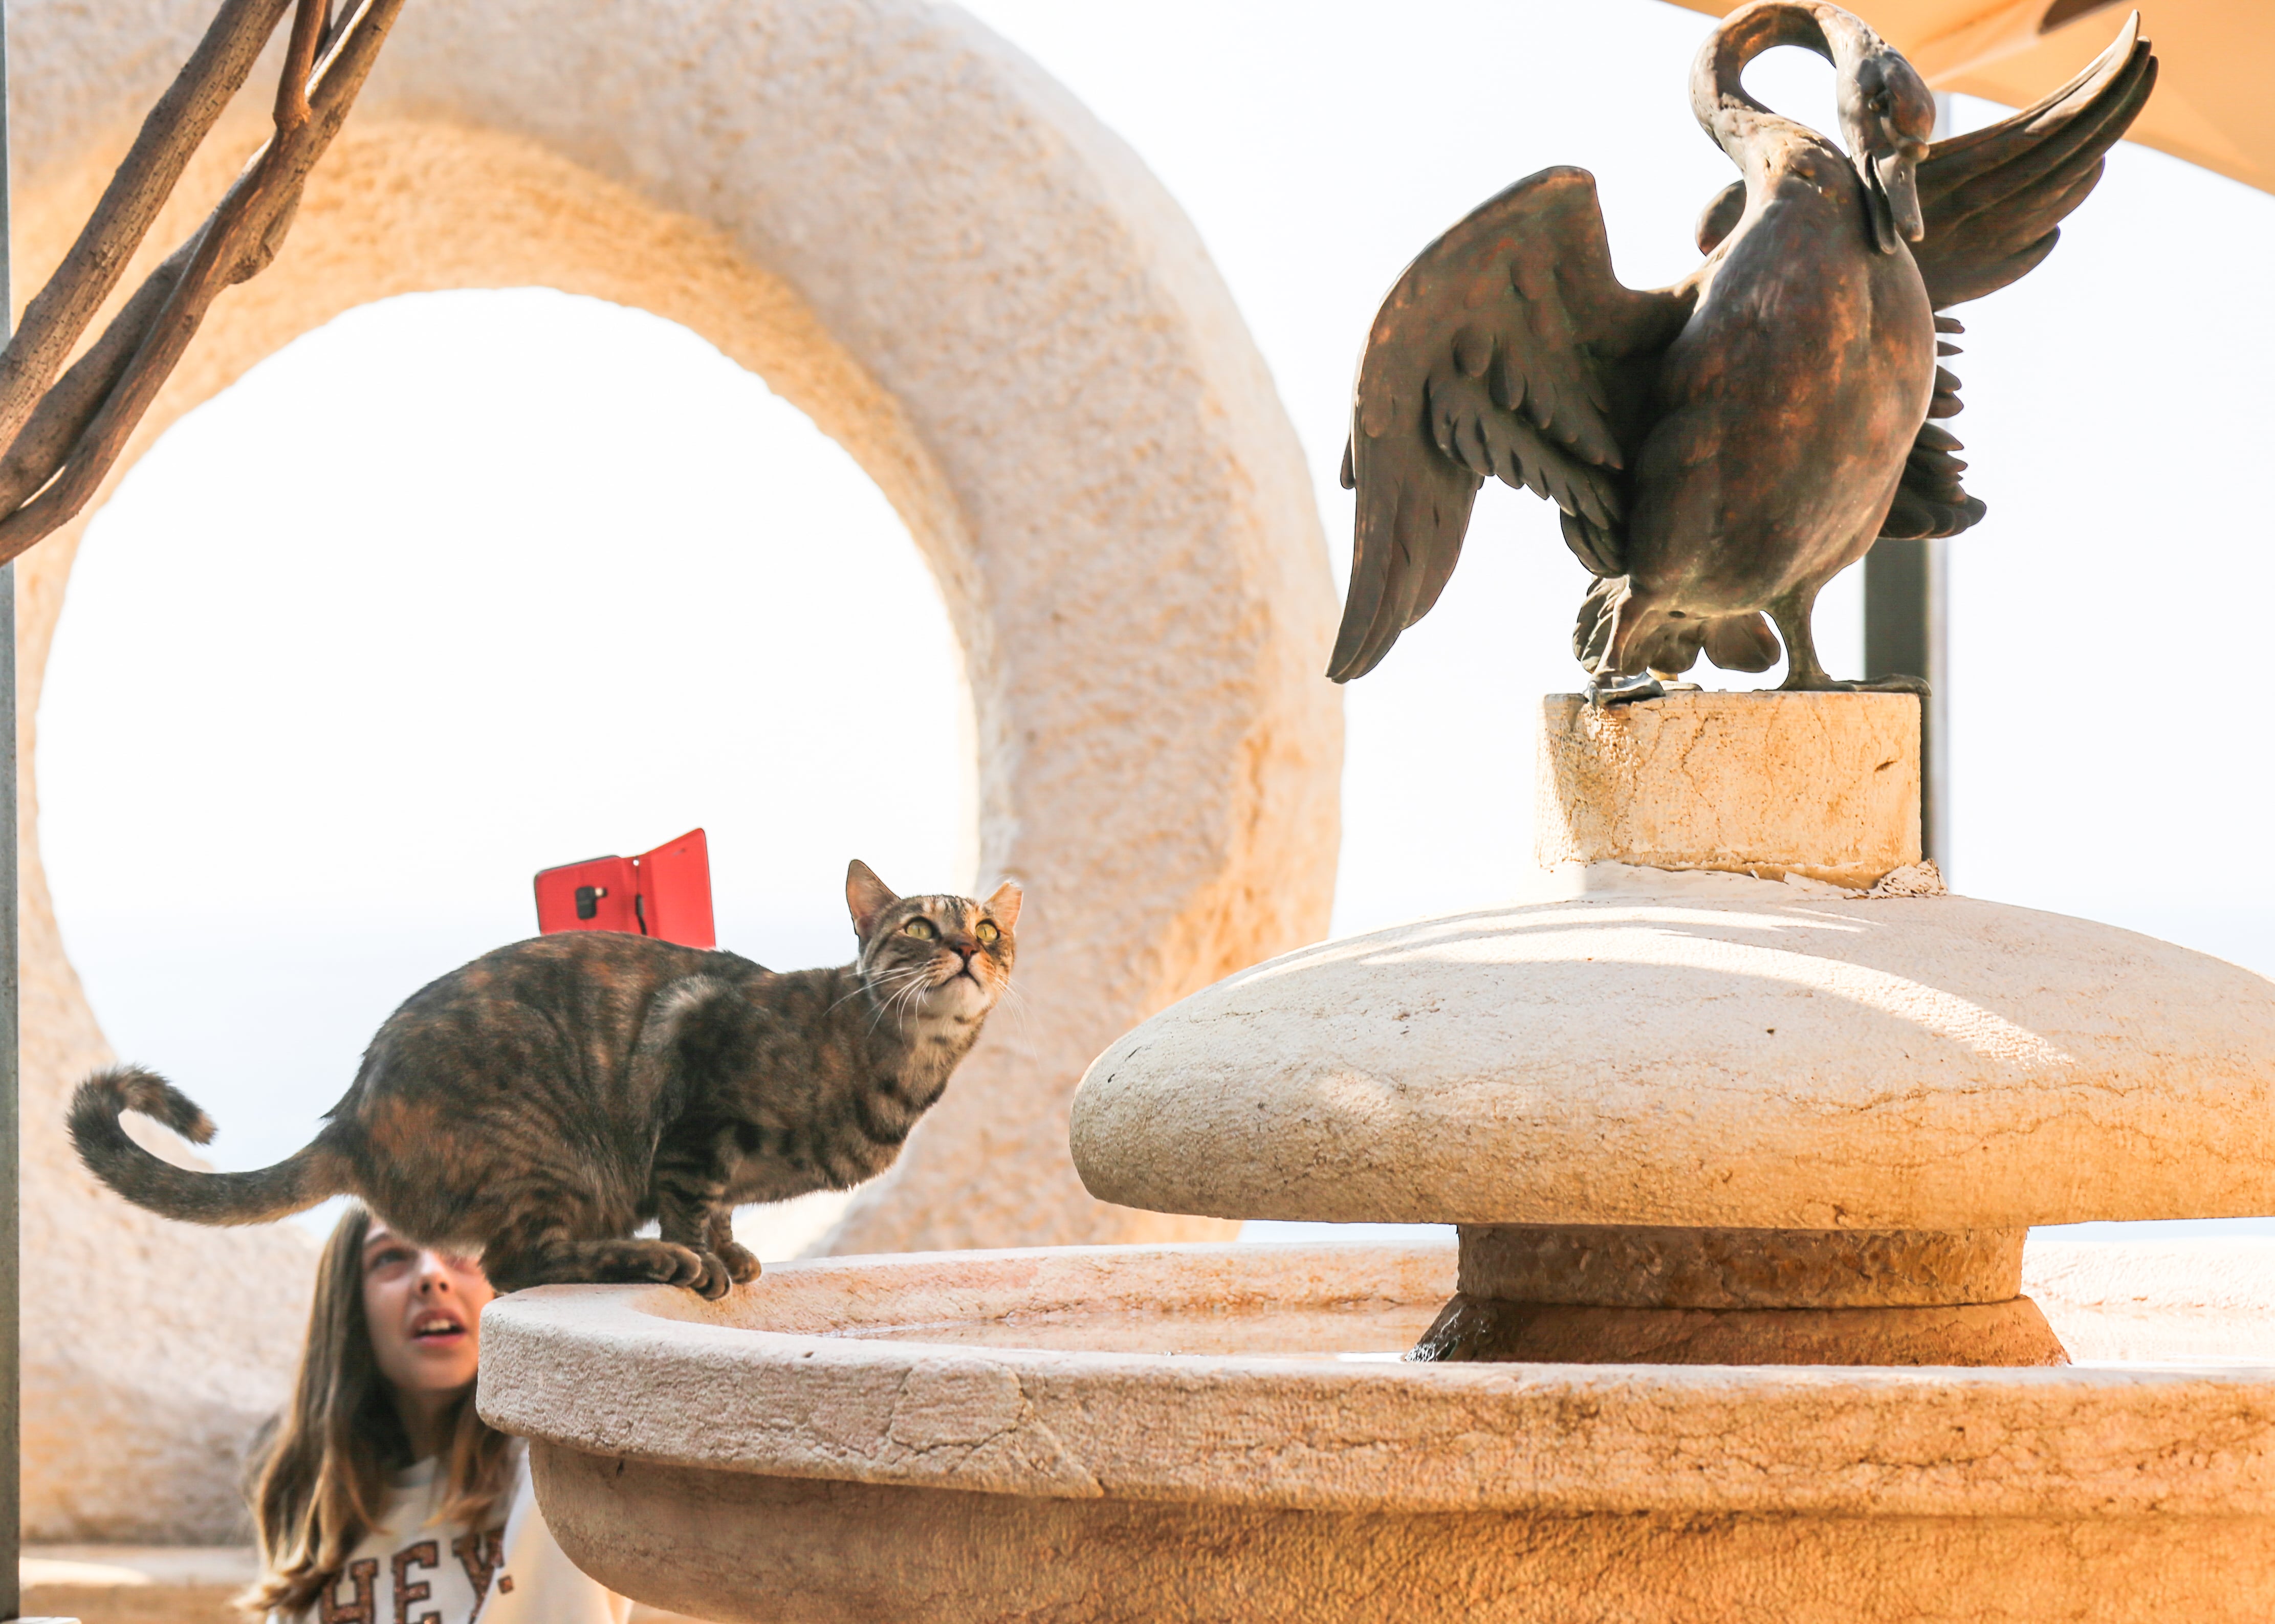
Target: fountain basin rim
<point>651,1373</point>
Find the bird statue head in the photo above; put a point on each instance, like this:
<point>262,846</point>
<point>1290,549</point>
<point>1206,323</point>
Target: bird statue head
<point>1888,116</point>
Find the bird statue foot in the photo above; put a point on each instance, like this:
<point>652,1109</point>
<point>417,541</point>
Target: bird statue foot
<point>1606,691</point>
<point>1877,684</point>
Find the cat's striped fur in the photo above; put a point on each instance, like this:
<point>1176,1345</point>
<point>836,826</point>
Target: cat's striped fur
<point>537,1105</point>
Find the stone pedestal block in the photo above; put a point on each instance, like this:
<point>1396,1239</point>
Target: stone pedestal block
<point>1647,1294</point>
<point>1662,1266</point>
<point>1824,785</point>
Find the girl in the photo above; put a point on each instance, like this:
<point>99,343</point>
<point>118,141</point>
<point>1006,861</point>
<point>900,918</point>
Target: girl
<point>379,1494</point>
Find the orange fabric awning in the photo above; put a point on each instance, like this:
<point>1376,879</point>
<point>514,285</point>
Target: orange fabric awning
<point>2212,106</point>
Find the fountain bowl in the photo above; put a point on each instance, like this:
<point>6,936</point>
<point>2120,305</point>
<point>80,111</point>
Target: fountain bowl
<point>1208,1432</point>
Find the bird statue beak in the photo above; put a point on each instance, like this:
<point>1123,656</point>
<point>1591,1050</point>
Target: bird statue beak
<point>1893,183</point>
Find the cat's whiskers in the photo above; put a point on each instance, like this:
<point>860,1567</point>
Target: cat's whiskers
<point>905,1004</point>
<point>893,973</point>
<point>902,985</point>
<point>911,978</point>
<point>865,983</point>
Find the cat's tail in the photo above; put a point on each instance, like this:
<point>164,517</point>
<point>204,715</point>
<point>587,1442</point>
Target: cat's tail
<point>299,1182</point>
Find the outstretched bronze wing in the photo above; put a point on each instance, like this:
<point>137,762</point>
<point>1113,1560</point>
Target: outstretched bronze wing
<point>1498,353</point>
<point>1993,200</point>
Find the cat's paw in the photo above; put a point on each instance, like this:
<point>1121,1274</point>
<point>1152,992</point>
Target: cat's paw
<point>670,1263</point>
<point>742,1262</point>
<point>714,1281</point>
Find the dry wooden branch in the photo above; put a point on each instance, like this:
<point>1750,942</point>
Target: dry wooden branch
<point>62,436</point>
<point>174,131</point>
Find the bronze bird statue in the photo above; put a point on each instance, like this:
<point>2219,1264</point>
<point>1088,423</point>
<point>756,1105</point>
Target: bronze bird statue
<point>1720,449</point>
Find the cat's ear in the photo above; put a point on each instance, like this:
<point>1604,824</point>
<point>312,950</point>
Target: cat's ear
<point>866,896</point>
<point>1003,907</point>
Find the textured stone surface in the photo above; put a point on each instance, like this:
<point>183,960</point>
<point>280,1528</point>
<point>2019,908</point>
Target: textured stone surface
<point>1211,1372</point>
<point>2011,1333</point>
<point>1704,1049</point>
<point>780,1454</point>
<point>1826,785</point>
<point>921,241</point>
<point>779,1551</point>
<point>1740,1297</point>
<point>785,1550</point>
<point>1611,1267</point>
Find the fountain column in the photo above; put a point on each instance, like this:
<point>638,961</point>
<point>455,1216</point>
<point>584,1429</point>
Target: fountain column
<point>1737,1083</point>
<point>1773,786</point>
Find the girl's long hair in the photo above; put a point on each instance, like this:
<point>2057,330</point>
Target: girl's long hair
<point>318,1479</point>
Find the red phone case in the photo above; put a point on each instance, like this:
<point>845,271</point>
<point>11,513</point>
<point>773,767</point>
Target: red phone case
<point>665,894</point>
<point>675,890</point>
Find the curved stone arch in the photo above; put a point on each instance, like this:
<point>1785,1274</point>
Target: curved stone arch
<point>916,236</point>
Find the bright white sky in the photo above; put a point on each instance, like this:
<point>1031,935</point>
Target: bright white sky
<point>465,585</point>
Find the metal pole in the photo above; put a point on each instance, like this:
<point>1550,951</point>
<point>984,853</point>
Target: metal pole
<point>11,1257</point>
<point>1904,602</point>
<point>1906,592</point>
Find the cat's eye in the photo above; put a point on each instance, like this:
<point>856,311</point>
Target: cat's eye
<point>923,930</point>
<point>987,932</point>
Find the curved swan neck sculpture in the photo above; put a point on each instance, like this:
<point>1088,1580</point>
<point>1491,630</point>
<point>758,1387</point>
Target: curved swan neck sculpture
<point>1887,113</point>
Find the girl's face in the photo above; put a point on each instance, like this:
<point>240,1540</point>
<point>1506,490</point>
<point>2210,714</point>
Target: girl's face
<point>425,1311</point>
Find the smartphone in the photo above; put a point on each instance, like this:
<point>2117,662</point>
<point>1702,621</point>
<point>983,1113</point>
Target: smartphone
<point>665,894</point>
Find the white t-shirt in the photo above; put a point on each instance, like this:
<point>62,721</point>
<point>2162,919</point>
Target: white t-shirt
<point>421,1571</point>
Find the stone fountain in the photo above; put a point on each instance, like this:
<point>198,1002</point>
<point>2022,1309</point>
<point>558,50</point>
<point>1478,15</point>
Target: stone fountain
<point>1742,1121</point>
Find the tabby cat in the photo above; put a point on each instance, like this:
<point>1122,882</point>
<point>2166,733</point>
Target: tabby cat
<point>538,1104</point>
